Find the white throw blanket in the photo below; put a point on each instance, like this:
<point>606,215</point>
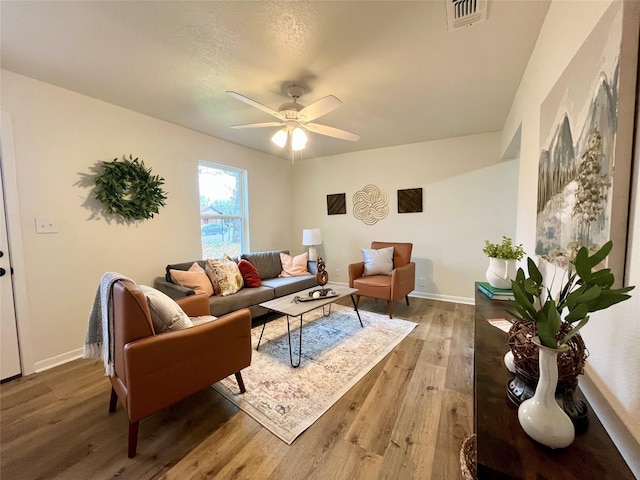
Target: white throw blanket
<point>99,340</point>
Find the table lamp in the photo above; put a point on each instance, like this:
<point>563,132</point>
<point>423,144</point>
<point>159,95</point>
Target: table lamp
<point>310,238</point>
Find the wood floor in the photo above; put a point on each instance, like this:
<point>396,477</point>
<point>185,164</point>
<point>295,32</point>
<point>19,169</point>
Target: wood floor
<point>406,419</point>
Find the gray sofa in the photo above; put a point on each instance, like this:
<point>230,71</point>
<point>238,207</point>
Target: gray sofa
<point>268,266</point>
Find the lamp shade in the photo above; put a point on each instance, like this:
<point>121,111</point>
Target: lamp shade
<point>311,236</point>
<point>280,138</point>
<point>298,139</point>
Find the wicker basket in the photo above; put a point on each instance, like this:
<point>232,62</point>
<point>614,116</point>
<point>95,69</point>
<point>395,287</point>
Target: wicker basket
<point>525,352</point>
<point>468,458</point>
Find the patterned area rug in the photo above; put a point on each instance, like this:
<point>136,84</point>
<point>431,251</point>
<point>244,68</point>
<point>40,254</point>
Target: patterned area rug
<point>336,353</point>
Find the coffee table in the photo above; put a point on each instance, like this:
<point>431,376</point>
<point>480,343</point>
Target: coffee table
<point>288,306</point>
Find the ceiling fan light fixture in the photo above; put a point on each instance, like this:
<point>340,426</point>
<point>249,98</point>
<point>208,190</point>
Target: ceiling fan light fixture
<point>280,138</point>
<point>298,139</point>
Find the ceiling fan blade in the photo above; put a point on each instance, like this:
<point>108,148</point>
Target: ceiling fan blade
<point>255,104</point>
<point>332,132</point>
<point>258,125</point>
<point>319,108</point>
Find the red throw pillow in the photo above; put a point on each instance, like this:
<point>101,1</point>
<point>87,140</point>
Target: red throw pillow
<point>249,273</point>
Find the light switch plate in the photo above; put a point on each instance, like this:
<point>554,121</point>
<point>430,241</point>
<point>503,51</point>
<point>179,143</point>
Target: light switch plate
<point>46,225</point>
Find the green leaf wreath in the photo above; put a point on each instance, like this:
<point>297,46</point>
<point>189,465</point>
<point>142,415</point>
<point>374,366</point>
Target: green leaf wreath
<point>127,188</point>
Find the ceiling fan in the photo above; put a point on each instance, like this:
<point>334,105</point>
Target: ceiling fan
<point>295,119</point>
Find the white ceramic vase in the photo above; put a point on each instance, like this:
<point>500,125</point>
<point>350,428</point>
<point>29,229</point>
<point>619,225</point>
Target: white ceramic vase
<point>540,416</point>
<point>501,272</point>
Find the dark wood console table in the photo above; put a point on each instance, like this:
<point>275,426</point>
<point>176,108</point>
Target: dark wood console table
<point>505,451</point>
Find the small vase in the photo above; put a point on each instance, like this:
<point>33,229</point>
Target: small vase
<point>540,416</point>
<point>501,272</point>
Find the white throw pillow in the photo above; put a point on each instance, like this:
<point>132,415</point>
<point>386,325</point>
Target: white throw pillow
<point>378,262</point>
<point>166,314</point>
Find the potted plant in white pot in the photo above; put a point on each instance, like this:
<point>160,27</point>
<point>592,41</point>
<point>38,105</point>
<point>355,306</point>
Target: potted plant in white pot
<point>557,321</point>
<point>502,261</point>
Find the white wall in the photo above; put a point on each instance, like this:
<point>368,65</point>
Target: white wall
<point>58,136</point>
<point>469,195</point>
<point>611,336</point>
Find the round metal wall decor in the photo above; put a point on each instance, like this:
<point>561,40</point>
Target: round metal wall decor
<point>370,204</point>
<point>128,189</point>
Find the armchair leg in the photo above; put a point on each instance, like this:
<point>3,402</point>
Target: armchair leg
<point>406,297</point>
<point>240,382</point>
<point>133,439</point>
<point>113,401</point>
<point>390,308</point>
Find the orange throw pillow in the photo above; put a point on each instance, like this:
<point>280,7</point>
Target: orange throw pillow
<point>194,278</point>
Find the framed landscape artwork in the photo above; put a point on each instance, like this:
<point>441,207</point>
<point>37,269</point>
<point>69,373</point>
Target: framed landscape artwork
<point>586,132</point>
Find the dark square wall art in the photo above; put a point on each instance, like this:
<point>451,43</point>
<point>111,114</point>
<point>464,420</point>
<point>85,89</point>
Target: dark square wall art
<point>410,200</point>
<point>336,204</point>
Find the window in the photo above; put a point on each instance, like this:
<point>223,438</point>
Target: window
<point>223,210</point>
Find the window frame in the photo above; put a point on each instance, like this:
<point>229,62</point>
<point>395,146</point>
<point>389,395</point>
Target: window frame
<point>242,194</point>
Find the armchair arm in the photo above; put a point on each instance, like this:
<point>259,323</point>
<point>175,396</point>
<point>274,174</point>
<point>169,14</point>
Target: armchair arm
<point>195,305</point>
<point>355,271</point>
<point>165,368</point>
<point>403,281</point>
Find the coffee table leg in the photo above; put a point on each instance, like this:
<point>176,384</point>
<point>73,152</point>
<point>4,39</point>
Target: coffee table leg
<point>266,318</point>
<point>299,345</point>
<point>355,307</point>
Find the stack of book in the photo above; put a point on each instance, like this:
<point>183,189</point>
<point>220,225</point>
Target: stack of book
<point>495,293</point>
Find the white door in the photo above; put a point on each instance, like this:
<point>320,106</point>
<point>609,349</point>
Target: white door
<point>9,352</point>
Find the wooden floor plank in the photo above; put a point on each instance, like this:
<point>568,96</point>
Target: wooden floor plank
<point>404,419</point>
<point>410,451</point>
<point>373,425</point>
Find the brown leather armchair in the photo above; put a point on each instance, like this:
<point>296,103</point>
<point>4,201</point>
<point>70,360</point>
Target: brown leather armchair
<point>154,371</point>
<point>386,287</point>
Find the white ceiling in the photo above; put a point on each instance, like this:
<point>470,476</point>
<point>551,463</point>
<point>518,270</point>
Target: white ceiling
<point>401,75</point>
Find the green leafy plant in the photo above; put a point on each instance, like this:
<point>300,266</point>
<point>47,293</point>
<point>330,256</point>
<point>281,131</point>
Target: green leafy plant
<point>504,250</point>
<point>585,291</point>
<point>127,188</point>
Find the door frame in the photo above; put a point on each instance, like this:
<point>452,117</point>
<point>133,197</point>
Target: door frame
<point>16,245</point>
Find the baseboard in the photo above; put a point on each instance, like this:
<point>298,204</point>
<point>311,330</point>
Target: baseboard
<point>626,443</point>
<point>443,298</point>
<point>431,296</point>
<point>58,360</point>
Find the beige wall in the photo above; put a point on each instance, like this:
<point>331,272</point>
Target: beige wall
<point>469,195</point>
<point>58,136</point>
<point>611,336</point>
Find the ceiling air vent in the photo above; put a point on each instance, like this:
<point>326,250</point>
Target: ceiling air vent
<point>462,13</point>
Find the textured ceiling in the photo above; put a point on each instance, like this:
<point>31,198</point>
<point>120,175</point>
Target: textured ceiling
<point>401,75</point>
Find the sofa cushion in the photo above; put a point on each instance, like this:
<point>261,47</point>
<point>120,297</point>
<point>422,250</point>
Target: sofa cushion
<point>194,278</point>
<point>294,266</point>
<point>267,263</point>
<point>245,298</point>
<point>166,314</point>
<point>249,273</point>
<point>286,285</point>
<point>224,275</point>
<point>378,262</point>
